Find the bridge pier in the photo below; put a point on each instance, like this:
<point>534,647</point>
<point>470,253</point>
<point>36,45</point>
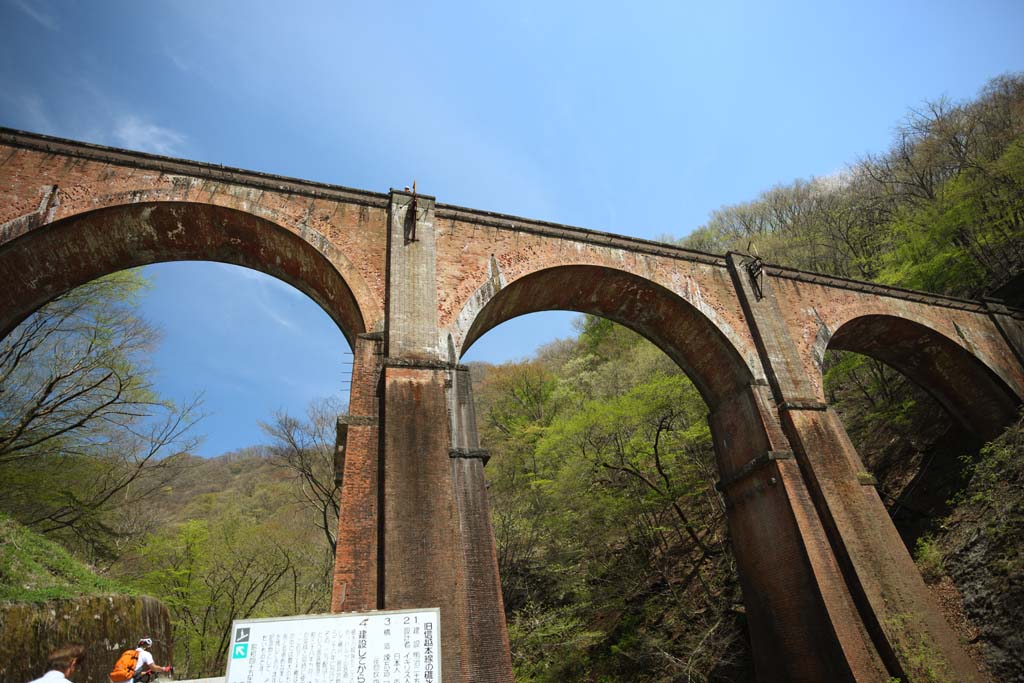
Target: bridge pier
<point>415,527</point>
<point>421,562</point>
<point>905,627</point>
<point>803,624</point>
<point>488,658</point>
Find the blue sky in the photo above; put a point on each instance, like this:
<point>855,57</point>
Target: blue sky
<point>637,118</point>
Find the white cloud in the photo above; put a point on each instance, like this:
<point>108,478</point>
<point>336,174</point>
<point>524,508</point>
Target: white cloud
<point>133,133</point>
<point>36,12</point>
<point>242,272</point>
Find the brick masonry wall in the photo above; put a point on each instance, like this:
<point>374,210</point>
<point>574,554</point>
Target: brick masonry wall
<point>39,187</point>
<point>468,253</point>
<point>815,312</point>
<point>356,572</point>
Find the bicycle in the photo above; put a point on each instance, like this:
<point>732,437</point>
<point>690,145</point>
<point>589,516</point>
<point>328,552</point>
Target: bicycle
<point>151,676</point>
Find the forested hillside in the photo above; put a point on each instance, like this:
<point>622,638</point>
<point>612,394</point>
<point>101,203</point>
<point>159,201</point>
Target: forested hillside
<point>613,551</point>
<point>235,541</point>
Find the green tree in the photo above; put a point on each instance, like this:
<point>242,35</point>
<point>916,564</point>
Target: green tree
<point>306,450</point>
<point>83,435</point>
<point>609,530</point>
<point>245,549</point>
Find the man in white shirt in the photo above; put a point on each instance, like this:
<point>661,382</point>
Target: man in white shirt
<point>62,662</point>
<point>145,663</point>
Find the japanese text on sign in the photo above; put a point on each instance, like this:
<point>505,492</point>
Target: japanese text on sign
<point>370,647</point>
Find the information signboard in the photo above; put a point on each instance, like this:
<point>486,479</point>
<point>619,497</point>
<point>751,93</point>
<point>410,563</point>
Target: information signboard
<point>402,646</point>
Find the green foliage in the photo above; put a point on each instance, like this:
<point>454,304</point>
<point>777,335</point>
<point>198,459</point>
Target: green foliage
<point>920,655</point>
<point>241,546</point>
<point>80,424</point>
<point>968,236</point>
<point>610,534</point>
<point>611,540</point>
<point>551,644</point>
<point>942,210</point>
<point>928,556</point>
<point>994,501</point>
<point>90,455</point>
<point>35,569</point>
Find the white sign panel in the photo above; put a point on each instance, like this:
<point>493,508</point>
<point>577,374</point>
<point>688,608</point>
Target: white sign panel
<point>361,647</point>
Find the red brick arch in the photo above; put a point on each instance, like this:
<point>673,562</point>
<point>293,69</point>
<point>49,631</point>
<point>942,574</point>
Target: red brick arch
<point>688,336</point>
<point>53,258</point>
<point>958,379</point>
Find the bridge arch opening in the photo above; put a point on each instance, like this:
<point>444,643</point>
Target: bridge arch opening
<point>154,486</point>
<point>601,465</point>
<point>55,258</point>
<point>730,400</point>
<point>957,379</point>
<point>58,258</point>
<point>685,334</point>
<point>892,381</point>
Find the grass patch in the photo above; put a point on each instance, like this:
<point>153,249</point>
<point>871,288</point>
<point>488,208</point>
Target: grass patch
<point>35,569</point>
<point>929,559</point>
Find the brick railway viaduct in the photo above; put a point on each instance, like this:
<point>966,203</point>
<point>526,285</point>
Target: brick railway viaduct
<point>831,592</point>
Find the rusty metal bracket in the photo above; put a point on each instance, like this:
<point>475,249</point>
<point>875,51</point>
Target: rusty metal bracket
<point>751,467</point>
<point>755,268</point>
<point>411,217</point>
<point>470,454</point>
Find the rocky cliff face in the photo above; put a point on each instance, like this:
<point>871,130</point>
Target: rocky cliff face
<point>106,625</point>
<point>983,548</point>
<point>992,585</point>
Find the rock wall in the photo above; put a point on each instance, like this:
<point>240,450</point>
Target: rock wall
<point>106,625</point>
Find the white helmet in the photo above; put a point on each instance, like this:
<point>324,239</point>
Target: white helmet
<point>145,642</point>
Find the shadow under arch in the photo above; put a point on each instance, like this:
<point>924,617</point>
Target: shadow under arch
<point>55,258</point>
<point>961,382</point>
<point>685,334</point>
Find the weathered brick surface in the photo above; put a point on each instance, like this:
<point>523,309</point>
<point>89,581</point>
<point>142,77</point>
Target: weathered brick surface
<point>782,550</point>
<point>355,570</point>
<point>815,314</point>
<point>894,602</point>
<point>895,608</point>
<point>483,253</point>
<point>348,231</point>
<point>489,659</point>
<point>422,552</point>
<point>831,592</point>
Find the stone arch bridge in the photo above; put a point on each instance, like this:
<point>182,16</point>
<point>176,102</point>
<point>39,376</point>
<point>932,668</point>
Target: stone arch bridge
<point>830,590</point>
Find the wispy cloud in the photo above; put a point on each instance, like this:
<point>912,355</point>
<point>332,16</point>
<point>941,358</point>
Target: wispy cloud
<point>133,133</point>
<point>265,292</point>
<point>177,60</point>
<point>36,11</point>
<point>30,111</point>
<point>275,314</point>
<point>242,272</point>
